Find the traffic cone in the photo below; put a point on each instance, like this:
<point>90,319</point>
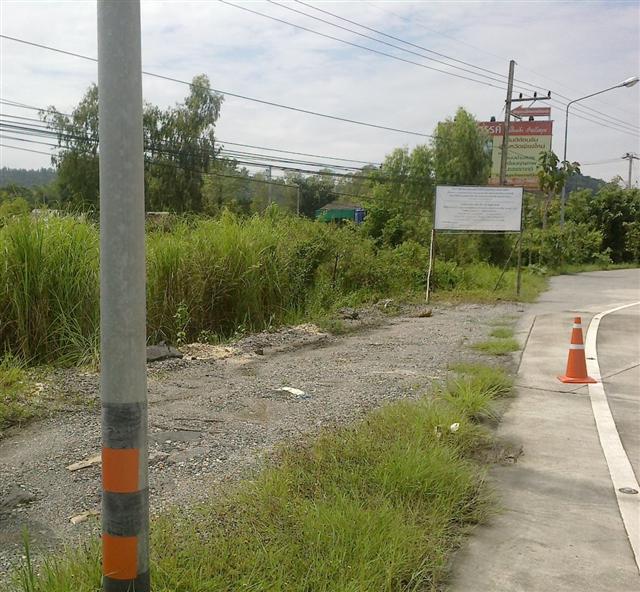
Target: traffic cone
<point>576,362</point>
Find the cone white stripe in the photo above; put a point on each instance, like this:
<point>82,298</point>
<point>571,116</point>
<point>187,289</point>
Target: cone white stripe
<point>577,326</point>
<point>576,346</point>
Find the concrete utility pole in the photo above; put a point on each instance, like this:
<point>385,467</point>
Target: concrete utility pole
<point>123,383</point>
<point>507,125</point>
<point>630,157</point>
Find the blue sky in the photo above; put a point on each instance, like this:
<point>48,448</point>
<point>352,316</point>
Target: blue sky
<point>573,48</point>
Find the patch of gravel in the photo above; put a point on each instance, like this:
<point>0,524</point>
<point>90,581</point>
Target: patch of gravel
<point>212,418</point>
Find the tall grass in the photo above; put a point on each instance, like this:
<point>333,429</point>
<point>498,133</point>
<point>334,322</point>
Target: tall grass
<point>378,506</point>
<point>219,277</point>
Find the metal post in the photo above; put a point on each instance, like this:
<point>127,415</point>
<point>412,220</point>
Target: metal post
<point>627,83</point>
<point>520,241</point>
<point>507,125</point>
<point>563,197</point>
<point>123,385</point>
<point>431,258</point>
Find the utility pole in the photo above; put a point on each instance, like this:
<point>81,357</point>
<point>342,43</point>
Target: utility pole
<point>269,187</point>
<point>507,125</point>
<point>123,383</point>
<point>630,157</point>
<point>298,200</point>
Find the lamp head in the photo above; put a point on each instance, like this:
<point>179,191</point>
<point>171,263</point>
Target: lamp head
<point>629,82</point>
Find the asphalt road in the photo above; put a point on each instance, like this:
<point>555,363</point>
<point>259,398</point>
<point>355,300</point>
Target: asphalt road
<point>560,526</point>
<point>619,357</point>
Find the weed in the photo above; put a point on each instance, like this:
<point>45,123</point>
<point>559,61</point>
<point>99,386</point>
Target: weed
<point>497,347</point>
<point>15,391</point>
<point>502,332</point>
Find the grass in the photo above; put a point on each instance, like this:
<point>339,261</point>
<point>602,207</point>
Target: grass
<point>497,347</point>
<point>380,505</point>
<point>502,332</point>
<point>219,278</point>
<point>15,394</point>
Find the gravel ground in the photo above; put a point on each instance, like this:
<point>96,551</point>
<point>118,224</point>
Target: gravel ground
<point>211,420</point>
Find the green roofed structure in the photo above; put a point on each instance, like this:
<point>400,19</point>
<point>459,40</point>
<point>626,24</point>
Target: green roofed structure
<point>337,212</point>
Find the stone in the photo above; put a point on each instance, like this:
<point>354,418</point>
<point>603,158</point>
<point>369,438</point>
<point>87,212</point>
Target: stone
<point>15,497</point>
<point>162,351</point>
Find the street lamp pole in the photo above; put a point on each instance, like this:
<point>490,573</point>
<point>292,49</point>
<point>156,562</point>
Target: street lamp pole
<point>629,82</point>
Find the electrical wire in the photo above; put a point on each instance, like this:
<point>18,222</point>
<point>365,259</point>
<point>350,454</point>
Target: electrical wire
<point>220,141</point>
<point>501,80</point>
<point>350,43</point>
<point>414,21</point>
<point>227,93</point>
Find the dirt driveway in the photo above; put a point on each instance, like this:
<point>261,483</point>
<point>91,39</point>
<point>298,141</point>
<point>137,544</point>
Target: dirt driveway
<point>212,420</point>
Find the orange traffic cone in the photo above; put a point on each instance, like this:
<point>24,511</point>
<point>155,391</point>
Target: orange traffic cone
<point>576,363</point>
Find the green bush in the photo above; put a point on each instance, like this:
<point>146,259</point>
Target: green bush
<point>575,243</point>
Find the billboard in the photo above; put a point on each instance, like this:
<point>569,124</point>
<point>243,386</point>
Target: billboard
<point>527,139</point>
<point>478,208</point>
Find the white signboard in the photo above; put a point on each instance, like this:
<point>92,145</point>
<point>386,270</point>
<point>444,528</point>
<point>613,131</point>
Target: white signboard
<point>478,208</point>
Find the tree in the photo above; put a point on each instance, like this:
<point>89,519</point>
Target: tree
<point>78,180</point>
<point>401,196</point>
<point>551,178</point>
<point>316,191</point>
<point>179,149</point>
<point>616,212</point>
<point>460,155</point>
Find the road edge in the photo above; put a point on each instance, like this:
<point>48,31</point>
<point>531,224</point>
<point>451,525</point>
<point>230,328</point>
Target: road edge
<point>620,469</point>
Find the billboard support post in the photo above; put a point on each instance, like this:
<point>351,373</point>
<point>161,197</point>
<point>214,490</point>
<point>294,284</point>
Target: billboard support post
<point>519,264</point>
<point>431,261</point>
<point>123,380</point>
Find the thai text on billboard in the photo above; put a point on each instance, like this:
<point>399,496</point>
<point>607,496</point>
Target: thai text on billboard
<point>527,139</point>
<point>478,208</point>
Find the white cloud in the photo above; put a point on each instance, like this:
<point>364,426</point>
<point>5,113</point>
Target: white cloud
<point>573,47</point>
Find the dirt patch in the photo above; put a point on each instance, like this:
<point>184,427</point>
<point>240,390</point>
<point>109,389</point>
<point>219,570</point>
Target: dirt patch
<point>212,419</point>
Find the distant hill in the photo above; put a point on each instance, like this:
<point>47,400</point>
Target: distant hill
<point>584,182</point>
<point>26,177</point>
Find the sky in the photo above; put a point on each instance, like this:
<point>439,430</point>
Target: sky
<point>570,48</point>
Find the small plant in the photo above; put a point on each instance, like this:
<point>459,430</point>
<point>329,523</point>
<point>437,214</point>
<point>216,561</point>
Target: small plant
<point>181,319</point>
<point>497,347</point>
<point>502,332</point>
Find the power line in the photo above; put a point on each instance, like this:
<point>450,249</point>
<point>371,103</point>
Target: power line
<point>414,20</point>
<point>531,87</point>
<point>235,155</point>
<point>220,141</point>
<point>227,93</point>
<point>404,41</point>
<point>350,43</point>
<point>404,49</point>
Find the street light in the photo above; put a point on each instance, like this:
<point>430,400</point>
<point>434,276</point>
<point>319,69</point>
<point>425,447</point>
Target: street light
<point>628,83</point>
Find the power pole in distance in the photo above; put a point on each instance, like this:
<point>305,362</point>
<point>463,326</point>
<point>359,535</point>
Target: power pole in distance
<point>123,382</point>
<point>507,124</point>
<point>630,157</point>
<point>269,187</point>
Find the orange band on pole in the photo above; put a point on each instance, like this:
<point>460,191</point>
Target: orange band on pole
<point>120,469</point>
<point>119,557</point>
